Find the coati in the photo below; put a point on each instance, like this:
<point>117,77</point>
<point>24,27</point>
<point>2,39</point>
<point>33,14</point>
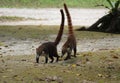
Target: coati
<point>70,44</point>
<point>50,48</point>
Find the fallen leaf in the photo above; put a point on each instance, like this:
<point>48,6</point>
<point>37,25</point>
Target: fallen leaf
<point>4,76</point>
<point>73,65</point>
<point>100,75</point>
<point>78,74</point>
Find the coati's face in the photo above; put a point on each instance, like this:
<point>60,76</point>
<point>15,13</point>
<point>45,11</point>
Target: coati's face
<point>64,50</point>
<point>38,53</point>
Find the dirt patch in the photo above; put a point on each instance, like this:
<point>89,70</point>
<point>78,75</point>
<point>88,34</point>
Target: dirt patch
<point>88,67</point>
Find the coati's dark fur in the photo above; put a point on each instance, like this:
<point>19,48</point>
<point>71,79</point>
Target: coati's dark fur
<point>70,44</point>
<point>50,48</point>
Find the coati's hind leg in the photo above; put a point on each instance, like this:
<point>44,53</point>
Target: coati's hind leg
<point>52,59</point>
<point>57,59</point>
<point>75,51</point>
<point>56,55</point>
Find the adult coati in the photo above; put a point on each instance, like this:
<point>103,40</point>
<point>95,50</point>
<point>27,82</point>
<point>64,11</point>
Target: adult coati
<point>50,48</point>
<point>70,44</point>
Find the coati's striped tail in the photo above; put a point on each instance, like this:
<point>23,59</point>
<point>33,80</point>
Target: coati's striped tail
<point>57,40</point>
<point>68,19</point>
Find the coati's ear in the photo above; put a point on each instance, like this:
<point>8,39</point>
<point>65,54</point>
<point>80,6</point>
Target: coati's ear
<point>36,48</point>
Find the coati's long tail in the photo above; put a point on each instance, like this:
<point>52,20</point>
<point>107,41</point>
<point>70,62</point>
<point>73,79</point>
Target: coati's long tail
<point>68,19</point>
<point>58,38</point>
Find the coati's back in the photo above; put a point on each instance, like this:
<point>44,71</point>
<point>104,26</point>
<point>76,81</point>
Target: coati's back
<point>50,48</point>
<point>58,38</point>
<point>70,44</point>
<point>45,47</point>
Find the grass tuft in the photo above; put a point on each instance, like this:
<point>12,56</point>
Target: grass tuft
<point>47,32</point>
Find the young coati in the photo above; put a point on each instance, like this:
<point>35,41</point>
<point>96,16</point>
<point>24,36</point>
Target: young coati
<point>70,44</point>
<point>50,48</point>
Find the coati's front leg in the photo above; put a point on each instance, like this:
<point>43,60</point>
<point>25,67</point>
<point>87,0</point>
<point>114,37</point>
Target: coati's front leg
<point>57,59</point>
<point>64,51</point>
<point>46,58</point>
<point>69,51</point>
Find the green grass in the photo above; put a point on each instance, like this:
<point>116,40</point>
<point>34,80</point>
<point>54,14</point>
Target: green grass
<point>11,18</point>
<point>44,32</point>
<point>50,3</point>
<point>1,44</point>
<point>14,18</point>
<point>23,32</point>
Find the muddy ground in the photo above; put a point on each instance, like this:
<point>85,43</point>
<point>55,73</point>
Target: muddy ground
<point>27,47</point>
